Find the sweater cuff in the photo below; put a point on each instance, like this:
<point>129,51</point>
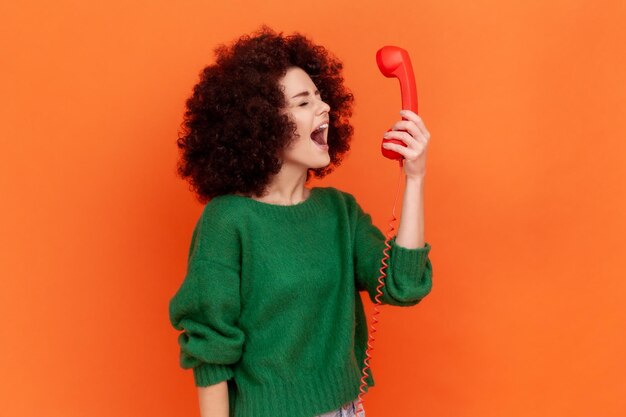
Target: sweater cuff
<point>409,261</point>
<point>210,373</point>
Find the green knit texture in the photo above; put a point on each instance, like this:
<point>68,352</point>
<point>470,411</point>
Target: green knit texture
<point>271,300</point>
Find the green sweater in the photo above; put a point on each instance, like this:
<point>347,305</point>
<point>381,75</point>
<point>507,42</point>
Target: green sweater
<point>270,300</point>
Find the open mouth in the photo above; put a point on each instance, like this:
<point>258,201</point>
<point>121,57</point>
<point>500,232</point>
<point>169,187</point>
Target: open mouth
<point>317,136</point>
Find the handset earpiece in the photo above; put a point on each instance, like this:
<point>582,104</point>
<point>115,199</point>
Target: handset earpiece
<point>394,61</point>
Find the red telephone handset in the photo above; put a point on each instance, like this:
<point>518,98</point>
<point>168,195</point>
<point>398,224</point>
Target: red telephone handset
<point>394,61</point>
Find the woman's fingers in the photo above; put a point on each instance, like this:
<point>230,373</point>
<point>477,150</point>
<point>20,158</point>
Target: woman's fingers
<point>408,126</point>
<point>405,151</point>
<point>403,136</point>
<point>412,116</point>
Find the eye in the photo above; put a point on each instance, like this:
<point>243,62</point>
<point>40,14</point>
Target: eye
<point>304,103</point>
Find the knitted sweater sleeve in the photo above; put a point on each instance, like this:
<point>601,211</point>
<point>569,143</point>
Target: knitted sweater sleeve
<point>409,271</point>
<point>206,306</point>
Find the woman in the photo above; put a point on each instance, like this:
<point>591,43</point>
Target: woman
<point>273,323</point>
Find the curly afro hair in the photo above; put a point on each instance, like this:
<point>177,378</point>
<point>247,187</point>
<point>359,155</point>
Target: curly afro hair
<point>233,130</point>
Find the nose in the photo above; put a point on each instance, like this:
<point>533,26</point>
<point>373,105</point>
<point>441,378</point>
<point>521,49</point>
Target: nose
<point>323,107</point>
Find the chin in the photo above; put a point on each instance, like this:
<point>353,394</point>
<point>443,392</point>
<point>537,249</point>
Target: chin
<point>324,164</point>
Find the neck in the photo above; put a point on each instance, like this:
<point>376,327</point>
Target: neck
<point>287,187</point>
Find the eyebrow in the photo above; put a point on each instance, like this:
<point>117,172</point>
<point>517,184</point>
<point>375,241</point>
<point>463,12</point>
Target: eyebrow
<point>305,93</point>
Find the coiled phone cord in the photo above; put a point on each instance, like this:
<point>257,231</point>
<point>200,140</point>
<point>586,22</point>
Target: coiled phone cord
<point>381,280</point>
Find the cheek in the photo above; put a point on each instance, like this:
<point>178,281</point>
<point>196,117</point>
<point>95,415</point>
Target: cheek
<point>301,128</point>
<point>300,121</point>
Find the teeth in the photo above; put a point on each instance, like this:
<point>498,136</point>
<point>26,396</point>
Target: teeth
<point>323,126</point>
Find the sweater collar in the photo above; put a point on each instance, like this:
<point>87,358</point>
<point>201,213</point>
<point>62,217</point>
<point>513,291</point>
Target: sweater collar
<point>301,210</point>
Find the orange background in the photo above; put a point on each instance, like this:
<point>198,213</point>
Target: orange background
<point>524,199</point>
